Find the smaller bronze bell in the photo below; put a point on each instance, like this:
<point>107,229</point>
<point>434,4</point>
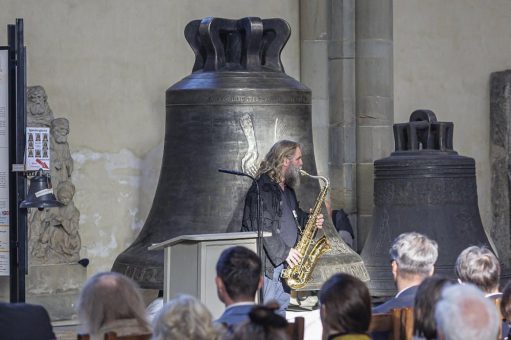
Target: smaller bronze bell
<point>40,194</point>
<point>424,186</point>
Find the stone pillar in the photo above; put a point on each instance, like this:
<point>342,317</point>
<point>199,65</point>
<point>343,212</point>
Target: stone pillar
<point>314,36</point>
<point>374,98</point>
<point>500,125</point>
<point>327,31</point>
<point>342,118</point>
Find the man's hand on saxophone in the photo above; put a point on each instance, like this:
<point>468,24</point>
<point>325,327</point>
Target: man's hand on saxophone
<point>293,258</point>
<point>319,221</point>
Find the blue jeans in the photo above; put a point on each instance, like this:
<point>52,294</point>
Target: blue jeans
<point>273,290</point>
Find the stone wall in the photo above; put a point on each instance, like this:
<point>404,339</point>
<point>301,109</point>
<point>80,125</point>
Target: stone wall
<point>106,64</point>
<point>444,53</point>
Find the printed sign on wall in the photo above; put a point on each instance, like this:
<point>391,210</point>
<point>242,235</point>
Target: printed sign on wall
<point>37,152</point>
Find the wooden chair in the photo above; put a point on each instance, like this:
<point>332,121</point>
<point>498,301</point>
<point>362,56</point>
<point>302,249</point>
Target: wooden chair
<point>296,330</point>
<point>382,323</point>
<point>398,323</point>
<point>501,317</point>
<point>113,336</point>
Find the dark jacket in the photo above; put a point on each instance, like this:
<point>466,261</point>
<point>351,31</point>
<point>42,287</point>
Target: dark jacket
<point>20,321</point>
<point>275,250</point>
<point>405,299</point>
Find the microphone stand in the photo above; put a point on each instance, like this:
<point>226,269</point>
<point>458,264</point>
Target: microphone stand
<point>258,224</point>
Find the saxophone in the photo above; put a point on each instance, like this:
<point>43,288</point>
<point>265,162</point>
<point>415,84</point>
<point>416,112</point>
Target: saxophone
<point>298,276</point>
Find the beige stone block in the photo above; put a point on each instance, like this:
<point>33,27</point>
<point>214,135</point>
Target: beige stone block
<point>374,77</point>
<point>342,16</point>
<point>315,75</point>
<point>374,19</point>
<point>365,188</point>
<point>320,113</point>
<point>374,142</point>
<point>341,49</point>
<point>60,306</point>
<point>342,91</point>
<point>343,182</point>
<point>375,110</point>
<point>364,225</point>
<point>314,19</point>
<point>55,278</point>
<point>320,140</point>
<point>342,145</point>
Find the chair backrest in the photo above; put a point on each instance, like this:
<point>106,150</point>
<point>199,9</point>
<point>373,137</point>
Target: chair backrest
<point>398,323</point>
<point>382,323</point>
<point>296,330</point>
<point>502,319</point>
<point>114,336</point>
<point>403,320</point>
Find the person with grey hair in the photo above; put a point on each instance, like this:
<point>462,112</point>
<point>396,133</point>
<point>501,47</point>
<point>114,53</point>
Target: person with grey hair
<point>111,302</point>
<point>185,318</point>
<point>413,258</point>
<point>463,313</point>
<point>480,267</point>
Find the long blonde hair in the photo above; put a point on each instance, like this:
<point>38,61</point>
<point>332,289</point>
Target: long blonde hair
<point>185,317</point>
<point>109,296</point>
<point>274,159</point>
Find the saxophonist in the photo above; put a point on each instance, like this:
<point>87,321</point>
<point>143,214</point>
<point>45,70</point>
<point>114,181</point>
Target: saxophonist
<point>277,177</point>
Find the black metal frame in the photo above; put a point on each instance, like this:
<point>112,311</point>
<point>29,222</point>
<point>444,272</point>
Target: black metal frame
<point>17,182</point>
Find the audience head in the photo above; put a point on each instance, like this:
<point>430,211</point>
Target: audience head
<point>263,324</point>
<point>413,256</point>
<point>480,267</point>
<point>463,313</point>
<point>185,318</point>
<point>426,298</point>
<point>345,305</point>
<point>505,302</point>
<point>239,276</point>
<point>110,296</point>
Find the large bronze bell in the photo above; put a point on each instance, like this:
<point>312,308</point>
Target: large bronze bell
<point>424,186</point>
<point>227,114</point>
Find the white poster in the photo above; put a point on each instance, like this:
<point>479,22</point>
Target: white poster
<point>37,152</point>
<point>4,163</point>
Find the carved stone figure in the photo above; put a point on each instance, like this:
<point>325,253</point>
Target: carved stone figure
<point>39,113</point>
<point>62,235</point>
<point>53,233</point>
<point>61,161</point>
<point>54,236</point>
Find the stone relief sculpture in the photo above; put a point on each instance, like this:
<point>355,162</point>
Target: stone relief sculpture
<point>54,233</point>
<point>249,161</point>
<point>38,110</point>
<point>61,161</point>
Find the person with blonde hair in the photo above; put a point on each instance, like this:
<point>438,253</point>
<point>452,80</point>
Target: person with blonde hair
<point>278,175</point>
<point>185,318</point>
<point>480,267</point>
<point>111,302</point>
